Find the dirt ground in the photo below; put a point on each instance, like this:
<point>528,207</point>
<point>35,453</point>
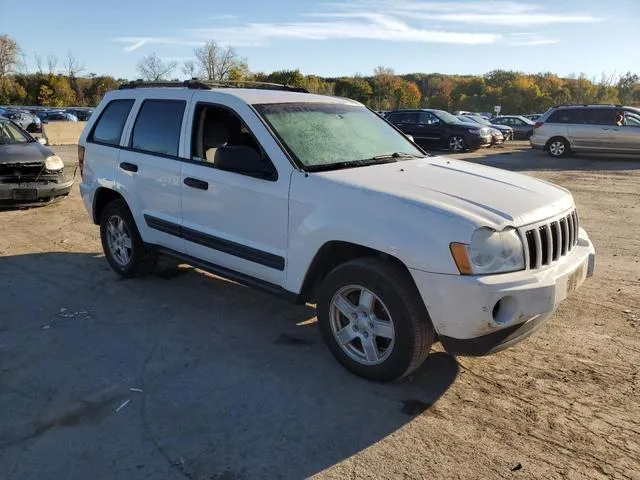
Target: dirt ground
<point>183,375</point>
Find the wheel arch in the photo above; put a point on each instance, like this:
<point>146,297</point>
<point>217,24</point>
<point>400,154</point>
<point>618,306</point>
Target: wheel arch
<point>101,199</point>
<point>557,137</point>
<point>334,253</point>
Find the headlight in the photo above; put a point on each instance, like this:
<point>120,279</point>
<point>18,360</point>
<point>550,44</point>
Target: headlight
<point>53,163</point>
<point>489,252</point>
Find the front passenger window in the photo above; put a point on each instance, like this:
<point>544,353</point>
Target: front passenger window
<point>222,140</point>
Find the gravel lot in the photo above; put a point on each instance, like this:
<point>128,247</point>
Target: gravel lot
<point>230,383</point>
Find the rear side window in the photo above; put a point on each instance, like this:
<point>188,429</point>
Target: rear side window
<point>573,115</point>
<point>109,126</point>
<point>599,116</point>
<point>157,128</point>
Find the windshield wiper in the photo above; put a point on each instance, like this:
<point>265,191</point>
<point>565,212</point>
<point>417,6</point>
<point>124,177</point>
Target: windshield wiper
<point>377,160</point>
<point>394,155</point>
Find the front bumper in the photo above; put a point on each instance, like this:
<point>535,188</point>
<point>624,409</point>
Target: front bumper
<point>29,194</point>
<point>479,315</point>
<point>475,141</point>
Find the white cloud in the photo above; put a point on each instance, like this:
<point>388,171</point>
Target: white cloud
<point>347,26</point>
<point>526,39</point>
<point>460,22</point>
<point>535,42</point>
<point>136,42</point>
<point>480,12</point>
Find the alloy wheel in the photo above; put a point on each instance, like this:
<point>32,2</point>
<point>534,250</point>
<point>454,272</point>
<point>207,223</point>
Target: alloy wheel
<point>119,240</point>
<point>456,144</point>
<point>362,325</point>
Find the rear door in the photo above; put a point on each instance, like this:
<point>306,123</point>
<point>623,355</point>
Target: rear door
<point>148,172</point>
<point>432,129</point>
<point>400,120</point>
<point>596,131</point>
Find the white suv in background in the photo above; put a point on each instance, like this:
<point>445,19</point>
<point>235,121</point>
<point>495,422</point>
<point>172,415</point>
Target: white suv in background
<point>321,200</point>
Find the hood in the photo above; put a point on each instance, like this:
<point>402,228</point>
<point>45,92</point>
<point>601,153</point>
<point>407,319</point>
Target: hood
<point>485,196</point>
<point>467,125</point>
<point>24,153</point>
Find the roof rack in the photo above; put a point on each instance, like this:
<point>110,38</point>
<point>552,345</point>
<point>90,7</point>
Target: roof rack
<point>198,84</point>
<point>588,105</point>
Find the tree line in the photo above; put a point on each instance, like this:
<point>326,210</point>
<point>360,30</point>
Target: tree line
<point>66,83</point>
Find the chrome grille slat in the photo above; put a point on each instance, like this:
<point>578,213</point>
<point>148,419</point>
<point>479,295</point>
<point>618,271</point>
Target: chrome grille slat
<point>538,245</point>
<point>565,235</point>
<point>572,227</point>
<point>547,242</point>
<point>549,257</point>
<point>555,228</point>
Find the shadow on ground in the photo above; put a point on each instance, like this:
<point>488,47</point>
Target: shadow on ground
<point>228,382</point>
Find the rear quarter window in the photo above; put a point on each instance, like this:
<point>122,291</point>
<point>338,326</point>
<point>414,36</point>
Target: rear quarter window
<point>157,127</point>
<point>109,126</point>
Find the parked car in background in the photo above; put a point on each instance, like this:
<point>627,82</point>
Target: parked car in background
<point>533,116</point>
<point>81,114</point>
<point>30,173</point>
<point>25,119</point>
<point>588,128</point>
<point>393,246</point>
<point>522,126</point>
<point>497,138</point>
<point>439,129</point>
<point>57,116</point>
<point>507,132</point>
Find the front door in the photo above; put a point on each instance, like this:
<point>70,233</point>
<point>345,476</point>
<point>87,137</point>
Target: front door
<point>626,137</point>
<point>230,219</point>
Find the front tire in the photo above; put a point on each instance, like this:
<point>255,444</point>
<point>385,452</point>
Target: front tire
<point>373,320</point>
<point>456,144</point>
<point>558,147</point>
<point>123,247</point>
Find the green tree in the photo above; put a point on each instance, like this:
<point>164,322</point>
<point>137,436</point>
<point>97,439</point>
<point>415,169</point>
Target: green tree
<point>356,88</point>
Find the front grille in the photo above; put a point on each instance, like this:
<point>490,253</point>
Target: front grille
<point>27,173</point>
<point>548,242</point>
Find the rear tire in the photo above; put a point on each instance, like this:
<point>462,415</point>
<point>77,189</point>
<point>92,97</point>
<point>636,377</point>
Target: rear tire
<point>123,247</point>
<point>558,147</point>
<point>383,331</point>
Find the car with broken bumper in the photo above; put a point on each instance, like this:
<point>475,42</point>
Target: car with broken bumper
<point>320,200</point>
<point>30,173</point>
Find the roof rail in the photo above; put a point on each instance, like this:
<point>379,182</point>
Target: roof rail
<point>198,84</point>
<point>588,105</point>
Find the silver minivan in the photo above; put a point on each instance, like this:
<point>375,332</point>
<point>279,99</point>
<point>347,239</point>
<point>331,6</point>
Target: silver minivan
<point>588,128</point>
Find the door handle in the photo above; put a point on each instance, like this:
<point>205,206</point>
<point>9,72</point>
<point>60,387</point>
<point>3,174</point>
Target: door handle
<point>129,167</point>
<point>195,183</point>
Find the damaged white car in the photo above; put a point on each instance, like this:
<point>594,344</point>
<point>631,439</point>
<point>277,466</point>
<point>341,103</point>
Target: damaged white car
<point>321,200</point>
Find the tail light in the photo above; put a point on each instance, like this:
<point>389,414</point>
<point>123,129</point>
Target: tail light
<point>538,124</point>
<point>80,158</point>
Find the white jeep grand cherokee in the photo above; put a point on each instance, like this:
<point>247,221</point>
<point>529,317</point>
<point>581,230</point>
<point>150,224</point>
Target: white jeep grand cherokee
<point>320,199</point>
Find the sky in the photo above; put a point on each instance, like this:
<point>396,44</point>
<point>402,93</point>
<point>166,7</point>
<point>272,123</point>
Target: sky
<point>334,38</point>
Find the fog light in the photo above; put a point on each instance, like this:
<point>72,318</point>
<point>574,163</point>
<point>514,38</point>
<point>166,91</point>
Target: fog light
<point>505,310</point>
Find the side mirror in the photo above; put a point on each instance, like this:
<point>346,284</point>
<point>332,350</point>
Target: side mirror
<point>244,160</point>
<point>410,138</point>
<point>41,140</point>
